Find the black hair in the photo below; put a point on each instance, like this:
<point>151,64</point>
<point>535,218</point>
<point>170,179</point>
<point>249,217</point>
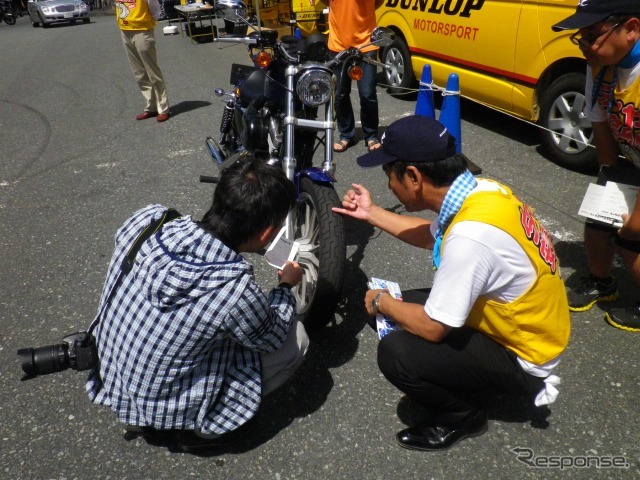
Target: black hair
<point>251,195</point>
<point>613,19</point>
<point>442,173</point>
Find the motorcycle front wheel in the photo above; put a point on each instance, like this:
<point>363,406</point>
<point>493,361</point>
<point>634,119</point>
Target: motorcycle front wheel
<point>9,19</point>
<point>322,252</point>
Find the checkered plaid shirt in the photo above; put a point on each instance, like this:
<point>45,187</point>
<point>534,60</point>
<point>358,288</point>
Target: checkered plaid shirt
<point>180,342</point>
<point>451,205</point>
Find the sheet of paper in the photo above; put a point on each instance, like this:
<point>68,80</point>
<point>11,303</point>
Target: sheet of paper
<point>591,202</point>
<point>618,198</point>
<point>608,203</point>
<point>281,250</point>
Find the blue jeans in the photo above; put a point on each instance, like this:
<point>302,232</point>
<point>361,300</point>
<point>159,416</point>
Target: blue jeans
<point>368,102</point>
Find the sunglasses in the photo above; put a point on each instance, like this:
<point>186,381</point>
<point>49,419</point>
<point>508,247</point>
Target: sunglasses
<point>586,42</point>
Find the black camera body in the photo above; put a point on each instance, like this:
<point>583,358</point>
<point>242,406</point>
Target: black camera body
<point>78,352</point>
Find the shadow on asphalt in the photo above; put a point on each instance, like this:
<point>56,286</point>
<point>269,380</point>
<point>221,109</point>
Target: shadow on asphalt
<point>187,106</point>
<point>572,255</point>
<point>498,407</point>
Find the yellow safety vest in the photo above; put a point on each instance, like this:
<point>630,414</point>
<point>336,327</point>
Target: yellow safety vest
<point>536,326</point>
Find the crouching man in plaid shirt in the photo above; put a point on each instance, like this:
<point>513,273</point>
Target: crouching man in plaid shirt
<point>189,344</point>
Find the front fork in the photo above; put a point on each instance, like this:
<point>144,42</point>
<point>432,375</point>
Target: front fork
<point>326,174</point>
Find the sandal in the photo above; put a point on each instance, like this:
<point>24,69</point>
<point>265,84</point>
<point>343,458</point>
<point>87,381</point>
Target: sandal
<point>373,144</point>
<point>342,145</point>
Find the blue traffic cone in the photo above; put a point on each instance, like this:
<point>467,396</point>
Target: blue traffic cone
<point>450,111</point>
<point>425,105</point>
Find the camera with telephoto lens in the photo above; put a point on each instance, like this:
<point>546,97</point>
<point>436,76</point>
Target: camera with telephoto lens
<point>78,352</point>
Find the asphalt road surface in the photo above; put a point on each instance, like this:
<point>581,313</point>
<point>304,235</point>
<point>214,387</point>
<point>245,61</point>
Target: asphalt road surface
<point>74,164</point>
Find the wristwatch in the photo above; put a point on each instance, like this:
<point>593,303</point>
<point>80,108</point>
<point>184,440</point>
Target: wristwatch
<point>375,303</point>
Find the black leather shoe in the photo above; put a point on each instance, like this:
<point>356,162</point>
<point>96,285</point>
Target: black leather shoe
<point>190,442</point>
<point>442,436</point>
<point>150,434</point>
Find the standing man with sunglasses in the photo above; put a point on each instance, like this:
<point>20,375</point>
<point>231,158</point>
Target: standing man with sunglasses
<point>608,34</point>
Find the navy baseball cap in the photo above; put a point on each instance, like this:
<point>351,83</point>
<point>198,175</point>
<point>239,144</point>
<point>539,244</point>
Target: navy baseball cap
<point>413,139</point>
<point>589,12</point>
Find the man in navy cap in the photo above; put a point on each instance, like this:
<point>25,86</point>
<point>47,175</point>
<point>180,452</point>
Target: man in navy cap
<point>496,319</point>
<point>608,34</point>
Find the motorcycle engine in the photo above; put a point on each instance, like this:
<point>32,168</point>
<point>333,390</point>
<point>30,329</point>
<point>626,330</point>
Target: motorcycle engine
<point>254,133</point>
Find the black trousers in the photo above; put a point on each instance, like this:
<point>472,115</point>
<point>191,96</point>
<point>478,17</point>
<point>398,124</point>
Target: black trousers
<point>440,376</point>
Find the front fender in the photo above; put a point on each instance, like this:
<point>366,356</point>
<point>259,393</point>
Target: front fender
<point>316,175</point>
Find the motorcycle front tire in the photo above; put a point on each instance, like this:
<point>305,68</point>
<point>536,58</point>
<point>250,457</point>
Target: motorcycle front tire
<point>9,19</point>
<point>320,233</point>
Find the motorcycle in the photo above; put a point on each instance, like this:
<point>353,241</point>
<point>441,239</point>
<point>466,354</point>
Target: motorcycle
<point>6,13</point>
<point>272,112</point>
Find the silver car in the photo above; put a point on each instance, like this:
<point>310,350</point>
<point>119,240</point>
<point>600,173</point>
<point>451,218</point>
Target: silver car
<point>47,12</point>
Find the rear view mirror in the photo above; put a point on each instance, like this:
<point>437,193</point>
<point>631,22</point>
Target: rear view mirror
<point>382,36</point>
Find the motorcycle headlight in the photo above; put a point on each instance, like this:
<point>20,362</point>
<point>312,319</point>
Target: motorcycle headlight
<point>315,87</point>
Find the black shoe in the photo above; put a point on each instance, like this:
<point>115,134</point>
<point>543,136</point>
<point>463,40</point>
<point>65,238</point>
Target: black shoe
<point>150,434</point>
<point>442,436</point>
<point>624,318</point>
<point>188,441</point>
<point>591,291</point>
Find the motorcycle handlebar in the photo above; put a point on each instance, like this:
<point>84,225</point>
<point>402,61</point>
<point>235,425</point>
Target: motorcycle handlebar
<point>208,179</point>
<point>338,59</point>
<point>375,62</point>
<point>342,57</point>
<point>345,56</point>
<point>244,40</point>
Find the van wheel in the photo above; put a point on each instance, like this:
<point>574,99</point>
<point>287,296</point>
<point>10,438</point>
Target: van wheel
<point>400,76</point>
<point>569,132</point>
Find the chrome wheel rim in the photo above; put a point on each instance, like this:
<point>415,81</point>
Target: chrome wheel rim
<point>570,128</point>
<point>307,235</point>
<point>395,74</point>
